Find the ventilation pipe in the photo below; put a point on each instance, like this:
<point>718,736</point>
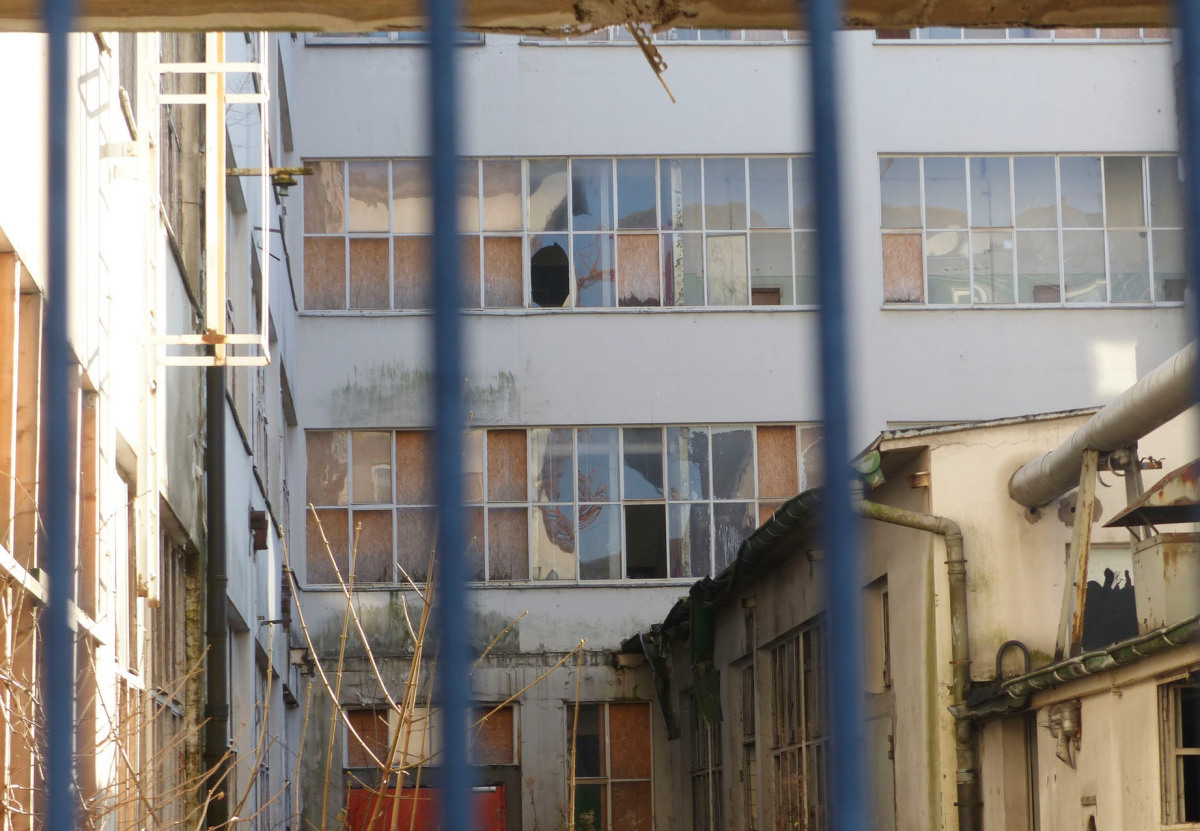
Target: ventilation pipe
<point>970,803</point>
<point>1150,403</point>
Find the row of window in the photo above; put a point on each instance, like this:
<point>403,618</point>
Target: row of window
<point>984,230</point>
<point>943,34</point>
<point>562,233</point>
<point>562,503</point>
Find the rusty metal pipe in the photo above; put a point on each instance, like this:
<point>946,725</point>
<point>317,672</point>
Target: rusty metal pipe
<point>970,803</point>
<point>1148,404</point>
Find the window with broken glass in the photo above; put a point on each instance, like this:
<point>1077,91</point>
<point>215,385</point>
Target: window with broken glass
<point>1180,708</point>
<point>704,765</point>
<point>552,503</point>
<point>799,736</point>
<point>566,233</point>
<point>613,755</point>
<point>1032,230</point>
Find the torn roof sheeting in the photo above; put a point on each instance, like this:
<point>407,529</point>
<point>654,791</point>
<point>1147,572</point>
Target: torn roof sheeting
<point>565,17</point>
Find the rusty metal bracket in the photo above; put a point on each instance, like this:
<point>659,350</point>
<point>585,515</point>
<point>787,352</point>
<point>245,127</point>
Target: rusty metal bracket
<point>1070,624</point>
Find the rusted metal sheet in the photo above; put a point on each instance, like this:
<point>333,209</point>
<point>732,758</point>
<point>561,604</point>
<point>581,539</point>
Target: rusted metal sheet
<point>567,16</point>
<point>1070,626</point>
<point>1175,498</point>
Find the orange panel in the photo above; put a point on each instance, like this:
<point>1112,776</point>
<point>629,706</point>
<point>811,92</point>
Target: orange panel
<point>629,731</point>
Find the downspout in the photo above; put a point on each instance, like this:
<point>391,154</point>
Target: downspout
<point>970,803</point>
<point>216,712</point>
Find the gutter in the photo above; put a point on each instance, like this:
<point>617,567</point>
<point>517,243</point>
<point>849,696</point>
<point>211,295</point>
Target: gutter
<point>970,802</point>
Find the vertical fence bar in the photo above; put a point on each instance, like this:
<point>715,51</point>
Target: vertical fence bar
<point>1187,23</point>
<point>451,595</point>
<point>57,488</point>
<point>848,793</point>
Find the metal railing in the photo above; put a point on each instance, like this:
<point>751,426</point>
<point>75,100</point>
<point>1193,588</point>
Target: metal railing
<point>848,788</point>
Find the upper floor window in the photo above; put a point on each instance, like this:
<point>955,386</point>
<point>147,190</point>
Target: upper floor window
<point>989,230</point>
<point>551,503</point>
<point>944,34</point>
<point>559,233</point>
<point>379,38</point>
<point>619,34</point>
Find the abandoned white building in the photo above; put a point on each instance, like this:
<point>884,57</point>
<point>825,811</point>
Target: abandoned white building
<point>639,319</point>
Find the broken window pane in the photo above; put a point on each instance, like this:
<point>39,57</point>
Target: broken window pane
<point>725,194</point>
<point>473,528</point>
<point>687,463</point>
<point>595,278</point>
<point>336,527</point>
<point>588,730</point>
<point>727,271</point>
<point>1079,182</point>
<point>811,443</point>
<point>992,258</point>
<point>469,274</point>
<point>508,544</point>
<point>733,463</point>
<point>411,207</point>
<point>507,477</point>
<point>502,195</point>
<point>683,269</point>
<point>635,194</point>
<point>1123,192</point>
<point>690,540</point>
<point>372,537</point>
<point>1129,265</point>
<point>1083,262</point>
<point>599,542</point>
<point>638,269</point>
<point>645,542</point>
<point>553,465</point>
<point>1034,192</point>
<point>549,271</point>
<point>368,196</point>
<point>372,467</point>
<point>946,265</point>
<point>806,267</point>
<point>804,206</point>
<point>468,196</point>
<point>502,278</point>
<point>414,471</point>
<point>768,193</point>
<point>1169,277</point>
<point>733,521</point>
<point>899,191</point>
<point>643,463</point>
<point>325,199</point>
<point>547,195</point>
<point>412,284</point>
<point>771,268</point>
<point>1166,191</point>
<point>629,741</point>
<point>554,542</point>
<point>777,471</point>
<point>990,206</point>
<point>591,194</point>
<point>369,266</point>
<point>473,466</point>
<point>324,272</point>
<point>903,270</point>
<point>598,473</point>
<point>945,192</point>
<point>1037,267</point>
<point>416,530</point>
<point>679,190</point>
<point>327,460</point>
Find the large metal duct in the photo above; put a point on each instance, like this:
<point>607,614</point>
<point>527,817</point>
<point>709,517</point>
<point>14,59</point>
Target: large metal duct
<point>1151,402</point>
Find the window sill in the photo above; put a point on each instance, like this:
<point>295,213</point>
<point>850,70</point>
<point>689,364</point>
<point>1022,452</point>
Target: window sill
<point>1025,307</point>
<point>1026,42</point>
<point>604,310</point>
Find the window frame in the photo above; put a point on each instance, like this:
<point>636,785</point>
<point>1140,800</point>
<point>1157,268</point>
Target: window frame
<point>1171,754</point>
<point>793,754</point>
<point>607,780</point>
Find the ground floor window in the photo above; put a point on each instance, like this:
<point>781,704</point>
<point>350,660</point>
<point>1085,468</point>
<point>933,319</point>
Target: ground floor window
<point>1181,753</point>
<point>612,752</point>
<point>705,768</point>
<point>799,736</point>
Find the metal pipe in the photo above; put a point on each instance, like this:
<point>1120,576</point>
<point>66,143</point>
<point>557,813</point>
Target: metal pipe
<point>58,485</point>
<point>453,615</point>
<point>849,797</point>
<point>1150,403</point>
<point>216,711</point>
<point>970,802</point>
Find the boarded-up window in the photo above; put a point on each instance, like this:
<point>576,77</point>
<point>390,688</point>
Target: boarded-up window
<point>325,199</point>
<point>495,736</point>
<point>777,471</point>
<point>903,272</point>
<point>507,466</point>
<point>325,273</point>
<point>508,544</point>
<point>369,267</point>
<point>502,262</point>
<point>413,288</point>
<point>612,765</point>
<point>371,725</point>
<point>414,474</point>
<point>332,548</point>
<point>373,546</point>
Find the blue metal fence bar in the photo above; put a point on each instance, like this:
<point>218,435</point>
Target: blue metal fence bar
<point>1187,22</point>
<point>848,792</point>
<point>58,479</point>
<point>453,677</point>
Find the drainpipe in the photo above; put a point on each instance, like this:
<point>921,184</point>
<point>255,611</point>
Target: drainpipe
<point>970,803</point>
<point>216,728</point>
